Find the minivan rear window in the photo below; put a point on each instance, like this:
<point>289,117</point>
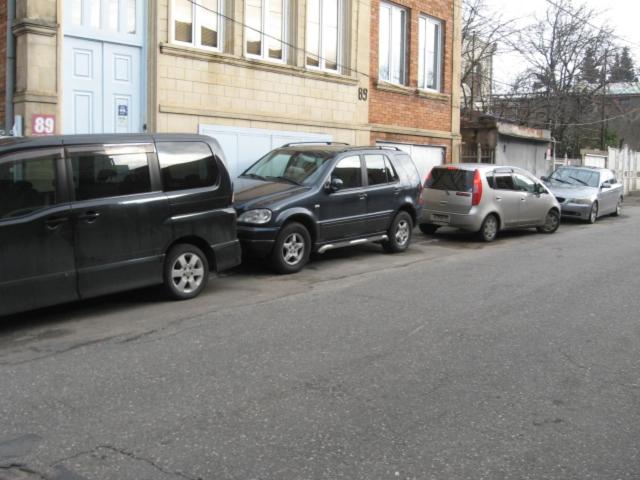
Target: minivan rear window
<point>450,179</point>
<point>187,165</point>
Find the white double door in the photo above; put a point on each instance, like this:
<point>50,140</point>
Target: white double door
<point>102,87</point>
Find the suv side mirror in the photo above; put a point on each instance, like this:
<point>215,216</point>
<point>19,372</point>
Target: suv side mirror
<point>334,185</point>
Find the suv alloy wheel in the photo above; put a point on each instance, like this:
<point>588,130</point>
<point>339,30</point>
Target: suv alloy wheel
<point>399,233</point>
<point>292,248</point>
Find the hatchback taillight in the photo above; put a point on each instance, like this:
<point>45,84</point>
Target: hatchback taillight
<point>477,188</point>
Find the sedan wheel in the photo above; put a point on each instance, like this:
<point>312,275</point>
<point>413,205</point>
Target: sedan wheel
<point>593,215</point>
<point>618,211</point>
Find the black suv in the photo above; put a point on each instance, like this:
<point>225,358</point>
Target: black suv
<point>303,198</point>
<point>82,216</point>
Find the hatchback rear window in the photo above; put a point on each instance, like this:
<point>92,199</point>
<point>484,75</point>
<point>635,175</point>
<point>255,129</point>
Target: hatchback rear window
<point>450,179</point>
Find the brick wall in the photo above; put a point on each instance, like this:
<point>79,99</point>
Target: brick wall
<point>406,106</point>
<point>3,59</point>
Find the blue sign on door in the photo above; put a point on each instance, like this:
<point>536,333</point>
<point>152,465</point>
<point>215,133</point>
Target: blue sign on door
<point>123,111</point>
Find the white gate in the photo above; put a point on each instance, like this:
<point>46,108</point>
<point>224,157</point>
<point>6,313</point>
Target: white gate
<point>626,164</point>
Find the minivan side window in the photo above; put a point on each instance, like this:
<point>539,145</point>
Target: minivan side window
<point>501,181</point>
<point>187,165</point>
<point>102,174</point>
<point>349,170</point>
<point>27,185</point>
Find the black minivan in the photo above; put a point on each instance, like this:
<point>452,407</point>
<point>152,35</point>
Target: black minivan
<point>303,198</point>
<point>88,215</point>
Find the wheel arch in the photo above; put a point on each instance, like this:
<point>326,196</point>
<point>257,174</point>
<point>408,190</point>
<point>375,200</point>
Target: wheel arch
<point>303,217</point>
<point>201,244</point>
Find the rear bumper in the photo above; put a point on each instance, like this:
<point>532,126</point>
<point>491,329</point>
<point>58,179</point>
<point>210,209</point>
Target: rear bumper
<point>227,255</point>
<point>572,210</point>
<point>471,221</point>
<point>257,242</point>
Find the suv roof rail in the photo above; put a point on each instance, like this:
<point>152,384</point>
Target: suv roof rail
<point>377,147</point>
<point>313,143</point>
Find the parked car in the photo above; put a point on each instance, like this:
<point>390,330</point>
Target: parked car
<point>586,193</point>
<point>82,216</point>
<point>303,198</point>
<point>487,199</point>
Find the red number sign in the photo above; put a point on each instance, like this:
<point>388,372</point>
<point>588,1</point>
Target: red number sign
<point>43,125</point>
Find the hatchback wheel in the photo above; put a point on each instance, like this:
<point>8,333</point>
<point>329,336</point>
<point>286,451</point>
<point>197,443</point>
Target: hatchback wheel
<point>428,229</point>
<point>399,233</point>
<point>489,230</point>
<point>186,272</point>
<point>551,223</point>
<point>593,215</point>
<point>292,248</point>
<point>618,211</point>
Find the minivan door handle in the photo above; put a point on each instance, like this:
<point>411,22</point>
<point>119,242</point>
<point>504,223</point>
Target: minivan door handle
<point>89,217</point>
<point>55,222</point>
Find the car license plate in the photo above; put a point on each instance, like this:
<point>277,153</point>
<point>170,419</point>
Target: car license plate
<point>440,219</point>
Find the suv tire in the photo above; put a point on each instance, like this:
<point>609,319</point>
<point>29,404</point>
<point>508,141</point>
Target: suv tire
<point>489,229</point>
<point>428,229</point>
<point>186,272</point>
<point>551,224</point>
<point>399,233</point>
<point>292,249</point>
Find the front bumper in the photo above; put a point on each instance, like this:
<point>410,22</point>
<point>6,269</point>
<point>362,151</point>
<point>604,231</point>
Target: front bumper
<point>470,221</point>
<point>574,210</point>
<point>257,241</point>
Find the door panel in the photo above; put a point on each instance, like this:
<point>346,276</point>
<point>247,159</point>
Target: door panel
<point>382,196</point>
<point>533,206</point>
<point>121,225</point>
<point>122,89</point>
<point>83,86</point>
<point>343,213</point>
<point>37,255</point>
<point>507,199</point>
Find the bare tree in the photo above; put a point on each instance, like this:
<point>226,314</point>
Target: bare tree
<point>482,33</point>
<point>562,50</point>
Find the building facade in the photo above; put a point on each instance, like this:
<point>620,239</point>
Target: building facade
<point>254,74</point>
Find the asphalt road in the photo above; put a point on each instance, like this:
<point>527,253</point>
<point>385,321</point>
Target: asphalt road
<point>456,360</point>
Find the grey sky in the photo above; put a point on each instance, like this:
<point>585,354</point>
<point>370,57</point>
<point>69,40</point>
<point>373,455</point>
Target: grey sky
<point>623,15</point>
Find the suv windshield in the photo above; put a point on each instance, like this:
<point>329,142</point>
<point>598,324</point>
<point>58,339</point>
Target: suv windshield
<point>301,168</point>
<point>576,176</point>
<point>450,179</point>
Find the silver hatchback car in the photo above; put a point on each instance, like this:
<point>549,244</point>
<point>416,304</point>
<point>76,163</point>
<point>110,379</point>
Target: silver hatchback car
<point>487,199</point>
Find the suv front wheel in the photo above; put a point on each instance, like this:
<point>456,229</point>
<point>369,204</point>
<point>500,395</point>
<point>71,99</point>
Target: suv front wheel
<point>292,248</point>
<point>399,233</point>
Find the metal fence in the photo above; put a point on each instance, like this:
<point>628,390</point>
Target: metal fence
<point>478,154</point>
<point>626,164</point>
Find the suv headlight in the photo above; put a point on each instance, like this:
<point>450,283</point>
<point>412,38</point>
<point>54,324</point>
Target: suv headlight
<point>257,217</point>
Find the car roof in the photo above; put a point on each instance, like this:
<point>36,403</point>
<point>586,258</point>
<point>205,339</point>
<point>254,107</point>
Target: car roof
<point>335,148</point>
<point>476,166</point>
<point>8,144</point>
<point>584,167</point>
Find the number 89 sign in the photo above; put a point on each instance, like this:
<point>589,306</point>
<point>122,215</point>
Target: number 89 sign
<point>43,125</point>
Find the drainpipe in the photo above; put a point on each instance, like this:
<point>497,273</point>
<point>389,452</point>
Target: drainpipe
<point>11,66</point>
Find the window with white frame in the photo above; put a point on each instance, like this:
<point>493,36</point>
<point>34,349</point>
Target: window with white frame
<point>266,29</point>
<point>393,44</point>
<point>112,15</point>
<point>323,46</point>
<point>430,54</point>
<point>198,24</point>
